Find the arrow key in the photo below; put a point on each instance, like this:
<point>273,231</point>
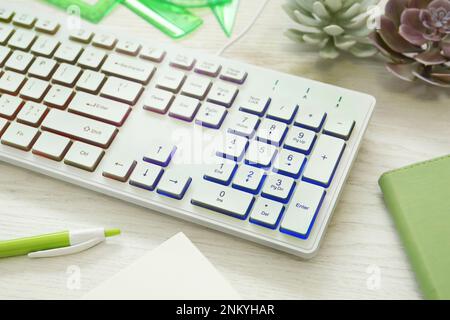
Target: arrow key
<point>146,176</point>
<point>174,184</point>
<point>119,169</point>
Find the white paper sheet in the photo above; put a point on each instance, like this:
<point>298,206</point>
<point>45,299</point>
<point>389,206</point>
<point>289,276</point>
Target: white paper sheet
<point>174,270</point>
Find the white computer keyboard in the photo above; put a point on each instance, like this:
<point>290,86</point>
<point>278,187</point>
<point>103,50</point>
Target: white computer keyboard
<point>245,150</point>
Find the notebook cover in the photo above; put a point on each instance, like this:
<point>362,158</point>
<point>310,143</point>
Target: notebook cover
<point>418,197</point>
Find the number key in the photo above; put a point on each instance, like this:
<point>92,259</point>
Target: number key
<point>278,188</point>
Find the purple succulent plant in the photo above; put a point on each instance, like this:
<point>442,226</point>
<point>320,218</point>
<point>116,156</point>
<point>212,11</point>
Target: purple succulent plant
<point>415,36</point>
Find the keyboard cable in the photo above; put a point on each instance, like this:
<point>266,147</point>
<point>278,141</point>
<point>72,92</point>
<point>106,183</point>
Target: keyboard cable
<point>245,31</point>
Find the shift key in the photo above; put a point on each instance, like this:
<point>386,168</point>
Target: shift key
<point>99,108</point>
<point>79,128</point>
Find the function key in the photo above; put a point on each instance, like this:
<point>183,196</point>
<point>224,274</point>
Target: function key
<point>234,75</point>
<point>255,104</point>
<point>81,35</point>
<point>340,128</point>
<point>6,15</point>
<point>105,41</point>
<point>174,184</point>
<point>153,54</point>
<point>183,62</point>
<point>208,68</point>
<point>24,20</point>
<point>47,26</point>
<point>20,136</point>
<point>128,47</point>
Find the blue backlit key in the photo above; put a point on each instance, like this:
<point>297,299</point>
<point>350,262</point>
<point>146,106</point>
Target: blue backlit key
<point>160,154</point>
<point>174,184</point>
<point>249,179</point>
<point>221,172</point>
<point>266,213</point>
<point>289,163</point>
<point>278,188</point>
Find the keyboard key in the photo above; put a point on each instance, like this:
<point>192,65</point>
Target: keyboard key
<point>184,108</point>
<point>47,26</point>
<point>34,89</point>
<point>67,75</point>
<point>324,160</point>
<point>81,35</point>
<point>299,139</point>
<point>340,128</point>
<point>158,100</point>
<point>9,106</point>
<point>20,136</point>
<point>266,213</point>
<point>5,33</point>
<point>90,81</point>
<point>234,75</point>
<point>211,115</point>
<point>32,114</point>
<point>6,15</point>
<point>260,154</point>
<point>68,52</point>
<point>80,128</point>
<point>45,46</point>
<point>153,54</point>
<point>208,68</point>
<point>52,146</point>
<point>222,199</point>
<point>171,80</point>
<point>58,97</point>
<point>278,188</point>
<point>146,176</point>
<point>233,147</point>
<point>128,68</point>
<point>255,104</point>
<point>249,179</point>
<point>4,55</point>
<point>300,215</point>
<point>272,132</point>
<point>122,90</point>
<point>105,41</point>
<point>19,61</point>
<point>119,169</point>
<point>289,163</point>
<point>128,47</point>
<point>283,112</point>
<point>3,125</point>
<point>221,172</point>
<point>243,124</point>
<point>98,108</point>
<point>42,68</point>
<point>174,184</point>
<point>160,153</point>
<point>310,119</point>
<point>183,62</point>
<point>223,94</point>
<point>84,156</point>
<point>92,58</point>
<point>24,20</point>
<point>22,40</point>
<point>11,82</point>
<point>196,87</point>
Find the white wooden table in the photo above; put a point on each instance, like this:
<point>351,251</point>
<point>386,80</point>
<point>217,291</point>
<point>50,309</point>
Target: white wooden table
<point>410,123</point>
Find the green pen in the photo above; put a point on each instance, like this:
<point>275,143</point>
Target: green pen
<point>55,244</point>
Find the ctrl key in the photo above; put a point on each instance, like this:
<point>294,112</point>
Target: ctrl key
<point>84,156</point>
<point>302,211</point>
<point>223,199</point>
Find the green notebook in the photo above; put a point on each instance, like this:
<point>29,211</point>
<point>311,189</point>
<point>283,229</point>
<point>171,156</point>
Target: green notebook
<point>418,197</point>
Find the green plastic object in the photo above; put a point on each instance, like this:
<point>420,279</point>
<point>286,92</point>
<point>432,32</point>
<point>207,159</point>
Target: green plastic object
<point>91,10</point>
<point>173,20</point>
<point>226,15</point>
<point>196,3</point>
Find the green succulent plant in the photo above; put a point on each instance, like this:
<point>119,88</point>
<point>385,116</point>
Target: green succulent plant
<point>332,26</point>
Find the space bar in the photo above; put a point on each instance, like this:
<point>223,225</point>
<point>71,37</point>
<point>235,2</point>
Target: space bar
<point>79,128</point>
